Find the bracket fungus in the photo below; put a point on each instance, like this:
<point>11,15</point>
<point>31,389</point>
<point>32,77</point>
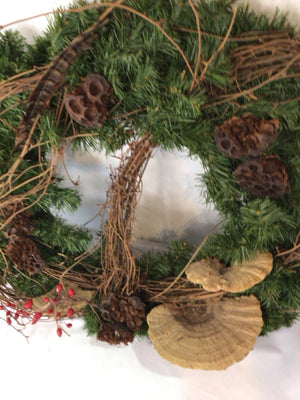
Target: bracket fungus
<point>214,276</point>
<point>209,335</point>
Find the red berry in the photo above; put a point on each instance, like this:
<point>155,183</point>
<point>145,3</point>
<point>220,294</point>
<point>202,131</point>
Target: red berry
<point>59,332</point>
<point>46,299</point>
<point>70,312</point>
<point>1,307</point>
<point>54,300</point>
<point>13,305</point>
<point>51,310</point>
<point>8,320</point>
<point>29,304</point>
<point>58,315</point>
<point>69,325</point>
<point>71,292</point>
<point>17,315</point>
<point>36,317</point>
<point>8,304</point>
<point>59,287</point>
<point>8,313</point>
<point>25,314</point>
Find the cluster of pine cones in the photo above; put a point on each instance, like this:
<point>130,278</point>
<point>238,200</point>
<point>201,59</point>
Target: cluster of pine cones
<point>123,315</point>
<point>250,136</point>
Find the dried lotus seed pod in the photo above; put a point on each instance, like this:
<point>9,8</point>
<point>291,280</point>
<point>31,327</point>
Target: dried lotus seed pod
<point>263,177</point>
<point>87,104</point>
<point>245,136</point>
<point>25,254</point>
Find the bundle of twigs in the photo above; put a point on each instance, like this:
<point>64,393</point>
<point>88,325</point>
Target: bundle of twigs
<point>164,291</point>
<point>291,257</point>
<point>276,54</point>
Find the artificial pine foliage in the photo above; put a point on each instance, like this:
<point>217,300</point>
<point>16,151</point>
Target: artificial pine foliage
<point>222,83</point>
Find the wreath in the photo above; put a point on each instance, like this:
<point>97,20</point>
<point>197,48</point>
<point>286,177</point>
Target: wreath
<point>135,75</point>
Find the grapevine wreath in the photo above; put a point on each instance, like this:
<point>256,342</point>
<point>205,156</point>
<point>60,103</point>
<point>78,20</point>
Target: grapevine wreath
<point>135,75</point>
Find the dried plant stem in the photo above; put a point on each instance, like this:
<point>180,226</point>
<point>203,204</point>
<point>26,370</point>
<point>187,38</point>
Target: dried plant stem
<point>9,197</point>
<point>220,48</point>
<point>291,257</point>
<point>252,36</point>
<point>19,84</point>
<point>181,291</point>
<point>198,61</point>
<point>158,24</point>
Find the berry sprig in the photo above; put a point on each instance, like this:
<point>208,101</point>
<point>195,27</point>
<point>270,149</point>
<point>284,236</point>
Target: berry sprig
<point>55,302</point>
<point>26,314</point>
<point>16,316</point>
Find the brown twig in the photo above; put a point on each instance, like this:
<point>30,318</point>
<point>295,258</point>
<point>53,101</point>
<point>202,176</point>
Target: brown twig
<point>189,262</point>
<point>198,61</point>
<point>220,48</point>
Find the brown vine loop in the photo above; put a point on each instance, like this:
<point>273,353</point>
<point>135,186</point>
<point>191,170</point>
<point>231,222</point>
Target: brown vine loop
<point>120,273</point>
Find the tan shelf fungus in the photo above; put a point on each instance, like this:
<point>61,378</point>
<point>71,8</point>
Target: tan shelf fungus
<point>214,276</point>
<point>210,335</point>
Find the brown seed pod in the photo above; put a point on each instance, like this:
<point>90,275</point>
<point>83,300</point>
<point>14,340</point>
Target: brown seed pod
<point>87,104</point>
<point>25,254</point>
<point>263,177</point>
<point>245,136</point>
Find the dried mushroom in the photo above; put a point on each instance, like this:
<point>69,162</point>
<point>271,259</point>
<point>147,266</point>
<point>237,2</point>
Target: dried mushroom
<point>210,336</point>
<point>214,276</point>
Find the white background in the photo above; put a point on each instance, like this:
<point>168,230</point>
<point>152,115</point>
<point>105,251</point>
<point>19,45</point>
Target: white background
<point>78,366</point>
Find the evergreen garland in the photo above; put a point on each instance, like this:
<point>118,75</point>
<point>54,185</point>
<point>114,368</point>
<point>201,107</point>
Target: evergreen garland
<point>140,54</point>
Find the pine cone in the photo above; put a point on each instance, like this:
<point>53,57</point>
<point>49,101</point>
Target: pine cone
<point>263,177</point>
<point>245,136</point>
<point>128,310</point>
<point>115,333</point>
<point>87,104</point>
<point>25,254</point>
